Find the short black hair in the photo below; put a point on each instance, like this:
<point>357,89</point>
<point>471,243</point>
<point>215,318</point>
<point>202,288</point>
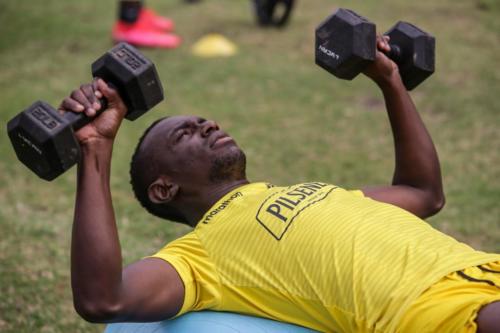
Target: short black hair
<point>144,170</point>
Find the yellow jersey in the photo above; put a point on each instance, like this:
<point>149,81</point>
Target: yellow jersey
<point>315,255</point>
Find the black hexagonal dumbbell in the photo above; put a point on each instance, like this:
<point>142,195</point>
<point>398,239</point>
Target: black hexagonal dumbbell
<point>44,140</point>
<point>346,44</point>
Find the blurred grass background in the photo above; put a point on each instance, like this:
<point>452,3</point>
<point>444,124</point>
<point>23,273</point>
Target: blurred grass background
<point>294,120</point>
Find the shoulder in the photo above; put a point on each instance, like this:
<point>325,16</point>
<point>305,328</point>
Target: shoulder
<point>180,246</point>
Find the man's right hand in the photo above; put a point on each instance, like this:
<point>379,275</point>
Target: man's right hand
<point>383,69</point>
<point>86,99</point>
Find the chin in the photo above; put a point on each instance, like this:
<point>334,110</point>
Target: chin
<point>229,165</point>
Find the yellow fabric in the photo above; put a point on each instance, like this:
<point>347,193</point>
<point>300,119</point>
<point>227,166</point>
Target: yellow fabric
<point>315,255</point>
<point>452,304</point>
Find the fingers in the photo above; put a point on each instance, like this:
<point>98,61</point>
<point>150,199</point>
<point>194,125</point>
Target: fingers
<point>84,99</point>
<point>97,93</point>
<point>383,43</point>
<point>111,95</point>
<point>87,98</point>
<point>69,104</point>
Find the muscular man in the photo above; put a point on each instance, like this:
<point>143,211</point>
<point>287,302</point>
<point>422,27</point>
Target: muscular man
<point>311,254</point>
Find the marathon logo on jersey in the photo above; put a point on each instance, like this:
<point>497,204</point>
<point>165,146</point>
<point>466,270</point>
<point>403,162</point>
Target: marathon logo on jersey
<point>279,210</point>
<point>223,205</point>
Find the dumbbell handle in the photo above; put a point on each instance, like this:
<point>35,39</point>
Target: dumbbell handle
<point>394,53</point>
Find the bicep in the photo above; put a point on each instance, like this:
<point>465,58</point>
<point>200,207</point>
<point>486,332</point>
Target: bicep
<point>414,200</point>
<point>152,290</point>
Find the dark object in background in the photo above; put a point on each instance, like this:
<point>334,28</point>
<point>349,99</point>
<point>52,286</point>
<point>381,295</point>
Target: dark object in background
<point>346,44</point>
<point>44,140</point>
<point>273,13</point>
<point>128,10</point>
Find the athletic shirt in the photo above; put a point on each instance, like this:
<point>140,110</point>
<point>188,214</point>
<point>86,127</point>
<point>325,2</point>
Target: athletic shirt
<point>315,255</point>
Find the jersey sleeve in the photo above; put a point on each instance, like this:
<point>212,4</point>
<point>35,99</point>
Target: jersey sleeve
<point>201,283</point>
<point>357,193</point>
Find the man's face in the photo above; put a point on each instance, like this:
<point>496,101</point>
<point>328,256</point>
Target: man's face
<point>192,149</point>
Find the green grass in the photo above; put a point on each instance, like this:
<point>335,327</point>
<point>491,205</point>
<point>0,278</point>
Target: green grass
<point>295,121</point>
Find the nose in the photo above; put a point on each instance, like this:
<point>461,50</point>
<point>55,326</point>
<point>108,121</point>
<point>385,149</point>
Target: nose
<point>208,127</point>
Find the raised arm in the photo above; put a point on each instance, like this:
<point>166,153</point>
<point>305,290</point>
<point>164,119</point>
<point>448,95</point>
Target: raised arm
<point>102,292</point>
<point>416,184</point>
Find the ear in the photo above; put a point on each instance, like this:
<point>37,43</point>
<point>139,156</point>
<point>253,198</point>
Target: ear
<point>162,191</point>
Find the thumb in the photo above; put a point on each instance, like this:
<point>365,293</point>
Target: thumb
<point>113,98</point>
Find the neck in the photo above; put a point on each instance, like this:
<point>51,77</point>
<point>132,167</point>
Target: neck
<point>196,206</point>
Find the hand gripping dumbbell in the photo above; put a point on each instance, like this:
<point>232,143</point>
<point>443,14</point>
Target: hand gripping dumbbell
<point>44,140</point>
<point>346,44</point>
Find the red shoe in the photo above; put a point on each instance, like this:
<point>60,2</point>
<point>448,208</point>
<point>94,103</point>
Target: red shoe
<point>149,17</point>
<point>139,35</point>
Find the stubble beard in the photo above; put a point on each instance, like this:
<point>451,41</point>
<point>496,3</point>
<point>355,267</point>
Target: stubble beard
<point>228,166</point>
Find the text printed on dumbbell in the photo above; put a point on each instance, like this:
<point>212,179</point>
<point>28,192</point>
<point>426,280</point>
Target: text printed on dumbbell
<point>329,53</point>
<point>29,143</point>
<point>45,118</point>
<point>128,58</point>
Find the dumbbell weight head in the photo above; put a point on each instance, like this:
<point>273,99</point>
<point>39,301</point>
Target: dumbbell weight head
<point>133,75</point>
<point>413,51</point>
<point>44,140</point>
<point>345,43</point>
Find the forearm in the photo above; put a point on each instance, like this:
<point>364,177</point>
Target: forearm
<point>96,263</point>
<point>417,163</point>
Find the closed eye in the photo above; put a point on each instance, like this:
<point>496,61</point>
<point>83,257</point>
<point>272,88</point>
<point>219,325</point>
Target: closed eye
<point>187,128</point>
<point>180,134</point>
